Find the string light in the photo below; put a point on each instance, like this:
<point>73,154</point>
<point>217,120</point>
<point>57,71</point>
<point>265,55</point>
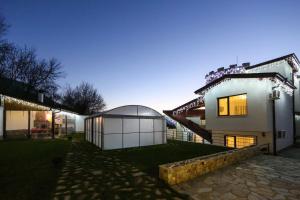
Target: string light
<point>195,103</point>
<point>220,73</point>
<point>13,102</point>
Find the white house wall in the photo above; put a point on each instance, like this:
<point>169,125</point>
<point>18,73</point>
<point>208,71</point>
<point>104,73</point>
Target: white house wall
<point>297,95</point>
<point>281,67</point>
<point>284,120</point>
<point>258,105</point>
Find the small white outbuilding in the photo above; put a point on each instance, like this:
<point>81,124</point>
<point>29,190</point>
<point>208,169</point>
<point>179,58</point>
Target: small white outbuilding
<point>126,126</point>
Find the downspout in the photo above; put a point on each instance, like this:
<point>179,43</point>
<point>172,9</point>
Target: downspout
<point>274,127</point>
<point>294,116</point>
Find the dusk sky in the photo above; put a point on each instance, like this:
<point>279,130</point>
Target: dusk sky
<point>153,53</point>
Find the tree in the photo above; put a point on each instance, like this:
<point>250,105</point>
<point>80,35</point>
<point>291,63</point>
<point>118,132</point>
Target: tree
<point>3,26</point>
<point>22,64</point>
<point>84,99</point>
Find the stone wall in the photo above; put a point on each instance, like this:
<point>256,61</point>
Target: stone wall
<point>178,172</point>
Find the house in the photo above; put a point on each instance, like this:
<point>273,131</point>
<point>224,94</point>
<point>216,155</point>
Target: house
<point>25,112</point>
<point>247,105</point>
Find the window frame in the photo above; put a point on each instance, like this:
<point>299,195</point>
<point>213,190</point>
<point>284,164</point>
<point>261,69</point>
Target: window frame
<point>228,106</point>
<point>234,136</point>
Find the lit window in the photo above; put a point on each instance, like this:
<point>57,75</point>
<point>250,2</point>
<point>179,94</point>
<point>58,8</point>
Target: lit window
<point>238,104</point>
<point>240,141</point>
<point>230,141</point>
<point>223,106</point>
<point>232,105</point>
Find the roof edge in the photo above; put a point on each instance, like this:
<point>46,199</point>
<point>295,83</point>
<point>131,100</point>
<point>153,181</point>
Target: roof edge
<point>247,75</point>
<point>274,60</point>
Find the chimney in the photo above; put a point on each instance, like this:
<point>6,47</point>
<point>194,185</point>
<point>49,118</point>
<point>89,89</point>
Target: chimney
<point>247,64</point>
<point>232,66</point>
<point>220,69</point>
<point>41,96</point>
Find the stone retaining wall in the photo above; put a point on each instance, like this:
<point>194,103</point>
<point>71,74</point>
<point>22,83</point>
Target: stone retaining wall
<point>178,172</point>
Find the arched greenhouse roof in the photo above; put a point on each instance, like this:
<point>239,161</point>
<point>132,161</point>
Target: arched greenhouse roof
<point>131,110</point>
<point>136,110</point>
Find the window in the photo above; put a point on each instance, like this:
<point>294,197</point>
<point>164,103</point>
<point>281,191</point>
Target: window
<point>230,141</point>
<point>223,106</point>
<point>232,105</point>
<point>281,134</point>
<point>239,141</point>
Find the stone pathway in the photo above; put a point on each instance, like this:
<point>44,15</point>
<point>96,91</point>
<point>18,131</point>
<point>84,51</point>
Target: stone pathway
<point>263,177</point>
<point>90,174</point>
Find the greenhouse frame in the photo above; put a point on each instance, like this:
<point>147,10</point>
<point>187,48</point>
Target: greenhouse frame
<point>125,127</point>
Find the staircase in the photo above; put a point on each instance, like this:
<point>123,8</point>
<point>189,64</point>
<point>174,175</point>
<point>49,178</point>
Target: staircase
<point>197,129</point>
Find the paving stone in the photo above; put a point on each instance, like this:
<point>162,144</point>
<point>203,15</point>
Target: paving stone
<point>262,177</point>
<point>202,190</point>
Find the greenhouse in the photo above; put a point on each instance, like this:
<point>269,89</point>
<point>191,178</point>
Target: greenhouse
<point>126,126</point>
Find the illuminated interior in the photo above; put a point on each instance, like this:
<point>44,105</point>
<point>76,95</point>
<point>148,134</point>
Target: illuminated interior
<point>230,141</point>
<point>233,105</point>
<point>240,141</point>
<point>245,141</point>
<point>238,105</point>
<point>223,106</point>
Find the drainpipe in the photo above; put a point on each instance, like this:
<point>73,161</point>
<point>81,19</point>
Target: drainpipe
<point>294,120</point>
<point>274,127</point>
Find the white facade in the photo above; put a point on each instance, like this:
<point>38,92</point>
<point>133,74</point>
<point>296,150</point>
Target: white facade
<point>126,126</point>
<point>258,106</point>
<point>258,120</point>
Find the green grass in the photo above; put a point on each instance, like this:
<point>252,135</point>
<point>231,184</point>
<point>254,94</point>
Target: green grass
<point>150,157</point>
<point>27,170</point>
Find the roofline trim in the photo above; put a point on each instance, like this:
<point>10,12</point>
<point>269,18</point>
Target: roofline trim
<point>247,75</point>
<point>293,55</point>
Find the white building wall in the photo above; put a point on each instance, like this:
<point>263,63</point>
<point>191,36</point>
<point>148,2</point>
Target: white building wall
<point>281,67</point>
<point>284,120</point>
<point>259,120</point>
<point>258,105</point>
<point>297,94</point>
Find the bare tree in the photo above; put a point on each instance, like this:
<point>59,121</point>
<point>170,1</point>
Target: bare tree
<point>3,26</point>
<point>84,98</point>
<point>22,64</point>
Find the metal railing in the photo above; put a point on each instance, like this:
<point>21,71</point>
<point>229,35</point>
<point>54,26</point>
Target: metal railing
<point>184,136</point>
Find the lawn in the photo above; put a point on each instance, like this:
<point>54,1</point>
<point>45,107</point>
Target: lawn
<point>148,158</point>
<point>29,168</point>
